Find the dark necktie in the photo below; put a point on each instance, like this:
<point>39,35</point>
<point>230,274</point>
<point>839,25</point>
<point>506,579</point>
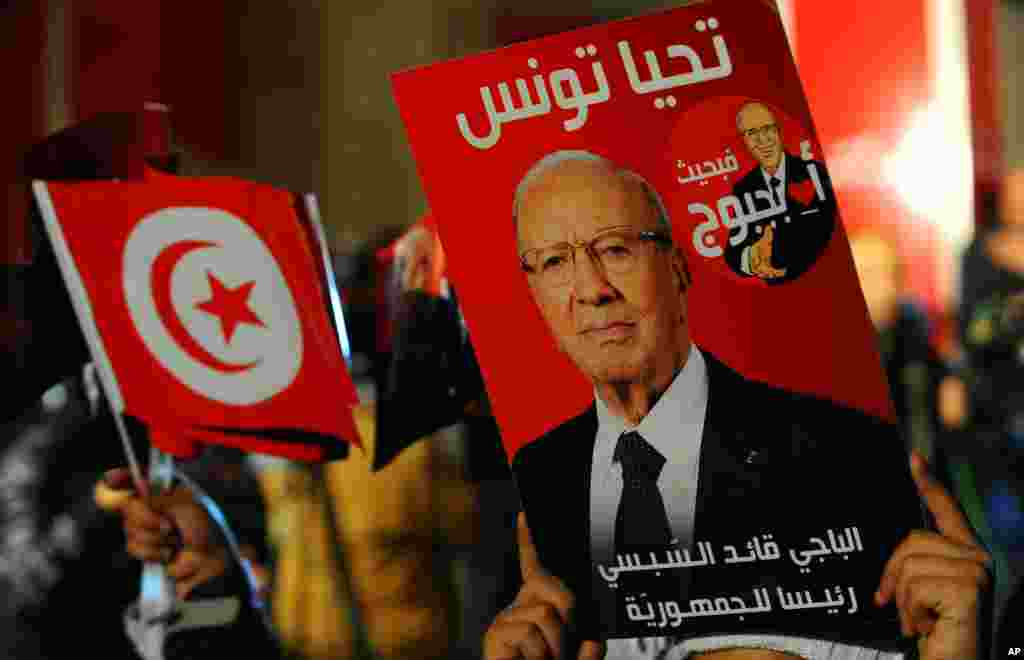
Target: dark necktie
<point>641,522</point>
<point>775,189</point>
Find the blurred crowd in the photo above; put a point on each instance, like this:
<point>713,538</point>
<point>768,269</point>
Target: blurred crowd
<point>959,395</point>
<point>415,557</point>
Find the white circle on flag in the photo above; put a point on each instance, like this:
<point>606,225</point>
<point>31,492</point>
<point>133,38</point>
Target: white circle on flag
<point>246,345</point>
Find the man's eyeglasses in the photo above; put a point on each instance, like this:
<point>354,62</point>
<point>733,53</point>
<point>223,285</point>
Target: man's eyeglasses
<point>618,251</point>
<point>767,129</point>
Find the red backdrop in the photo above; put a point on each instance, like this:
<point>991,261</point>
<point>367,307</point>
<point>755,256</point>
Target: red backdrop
<point>865,82</point>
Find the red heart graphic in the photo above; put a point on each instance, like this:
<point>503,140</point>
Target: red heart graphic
<point>802,192</point>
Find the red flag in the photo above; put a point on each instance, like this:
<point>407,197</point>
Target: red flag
<point>208,310</point>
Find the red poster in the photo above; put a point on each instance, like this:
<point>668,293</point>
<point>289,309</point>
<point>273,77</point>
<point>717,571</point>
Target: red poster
<point>647,250</point>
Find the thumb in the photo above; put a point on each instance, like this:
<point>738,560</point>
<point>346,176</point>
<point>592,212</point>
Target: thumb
<point>114,490</point>
<point>109,499</point>
<point>529,563</point>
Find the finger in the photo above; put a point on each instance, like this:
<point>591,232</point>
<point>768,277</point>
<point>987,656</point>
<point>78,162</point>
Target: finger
<point>529,563</point>
<point>514,641</point>
<point>948,518</point>
<point>591,650</point>
<point>185,565</point>
<point>154,548</point>
<point>923,542</point>
<point>186,570</point>
<point>148,538</point>
<point>952,600</point>
<point>544,617</point>
<point>916,567</point>
<point>183,587</point>
<point>147,552</point>
<point>111,500</point>
<point>548,590</point>
<point>138,515</point>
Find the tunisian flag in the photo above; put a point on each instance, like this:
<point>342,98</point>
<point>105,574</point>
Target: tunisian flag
<point>203,306</point>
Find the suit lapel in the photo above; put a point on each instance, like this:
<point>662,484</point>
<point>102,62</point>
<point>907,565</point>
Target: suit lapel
<point>731,457</point>
<point>589,431</point>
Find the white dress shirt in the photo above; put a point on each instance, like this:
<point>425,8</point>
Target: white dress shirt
<point>674,427</point>
<point>780,174</point>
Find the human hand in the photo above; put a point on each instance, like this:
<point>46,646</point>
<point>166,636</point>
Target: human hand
<point>937,579</point>
<point>533,626</point>
<point>761,257</point>
<point>171,529</point>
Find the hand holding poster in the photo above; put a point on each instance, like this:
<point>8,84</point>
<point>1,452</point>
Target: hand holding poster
<point>648,255</point>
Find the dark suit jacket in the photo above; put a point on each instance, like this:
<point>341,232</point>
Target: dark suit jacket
<point>799,241</point>
<point>771,461</point>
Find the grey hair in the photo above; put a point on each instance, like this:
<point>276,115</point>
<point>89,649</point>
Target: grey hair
<point>750,104</point>
<point>565,155</point>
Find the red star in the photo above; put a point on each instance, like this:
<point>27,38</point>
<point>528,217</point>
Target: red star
<point>231,306</point>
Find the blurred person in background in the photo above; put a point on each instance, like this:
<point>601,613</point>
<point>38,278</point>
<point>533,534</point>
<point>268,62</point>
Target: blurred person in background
<point>55,545</point>
<point>992,322</point>
<point>990,385</point>
<point>63,563</point>
<point>930,395</point>
<point>913,368</point>
<point>423,340</point>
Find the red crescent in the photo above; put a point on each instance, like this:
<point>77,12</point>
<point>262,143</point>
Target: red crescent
<point>160,285</point>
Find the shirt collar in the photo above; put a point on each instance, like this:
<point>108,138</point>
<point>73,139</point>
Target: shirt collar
<point>681,406</point>
<point>780,173</point>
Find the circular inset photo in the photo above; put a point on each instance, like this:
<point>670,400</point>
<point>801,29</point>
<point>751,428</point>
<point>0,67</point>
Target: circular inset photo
<point>751,192</point>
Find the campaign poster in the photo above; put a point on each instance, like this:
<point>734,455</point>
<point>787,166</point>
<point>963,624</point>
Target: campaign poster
<point>656,280</point>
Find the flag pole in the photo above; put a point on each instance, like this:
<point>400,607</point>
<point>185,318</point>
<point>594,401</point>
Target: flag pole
<point>312,209</point>
<point>157,593</point>
<point>347,592</point>
<point>129,452</point>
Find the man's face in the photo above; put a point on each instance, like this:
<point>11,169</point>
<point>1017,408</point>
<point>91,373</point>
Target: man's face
<point>762,135</point>
<point>617,328</point>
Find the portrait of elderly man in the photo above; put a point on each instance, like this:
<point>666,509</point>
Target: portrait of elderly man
<point>781,247</point>
<point>676,447</point>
